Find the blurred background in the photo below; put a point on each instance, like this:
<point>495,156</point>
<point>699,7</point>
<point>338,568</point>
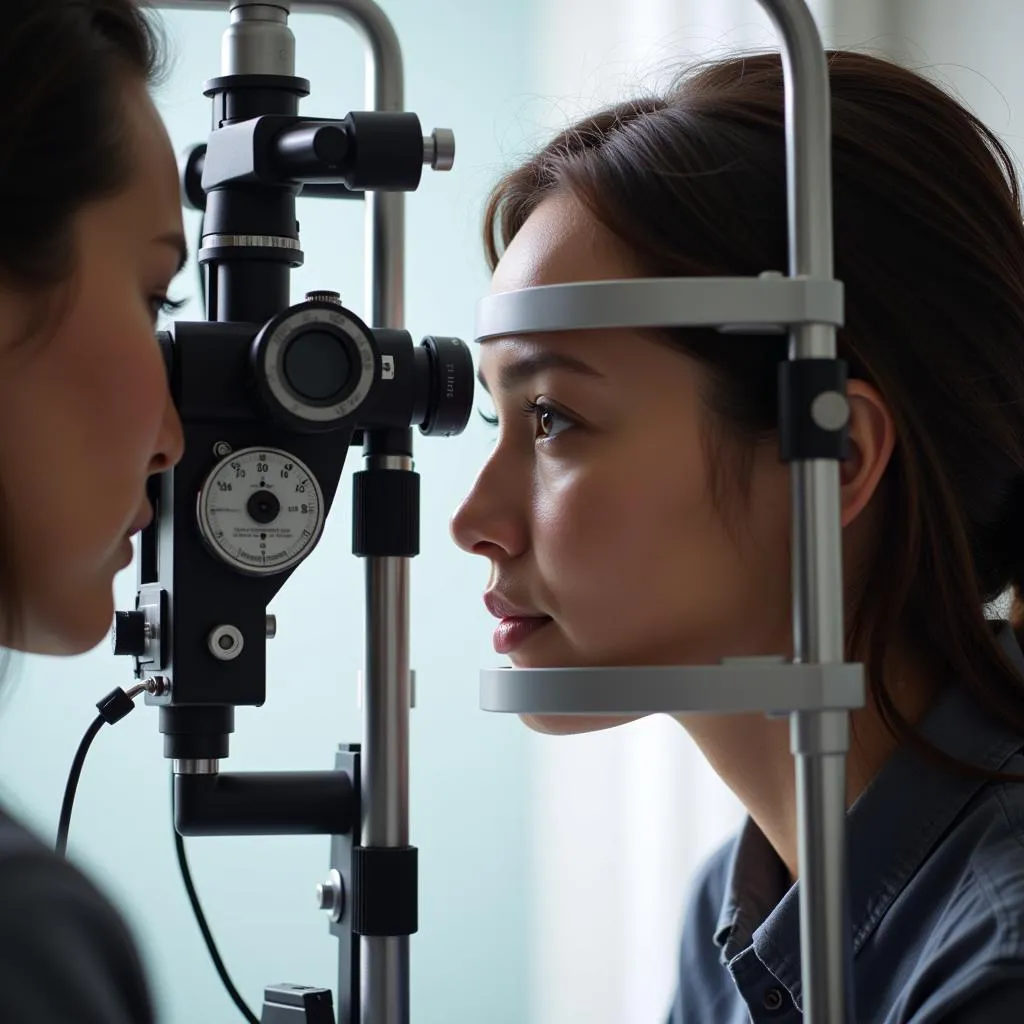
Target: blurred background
<point>553,871</point>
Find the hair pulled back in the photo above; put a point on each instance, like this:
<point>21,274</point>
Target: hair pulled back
<point>929,246</point>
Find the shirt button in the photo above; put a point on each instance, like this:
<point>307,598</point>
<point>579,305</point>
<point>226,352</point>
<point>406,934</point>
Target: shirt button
<point>773,999</point>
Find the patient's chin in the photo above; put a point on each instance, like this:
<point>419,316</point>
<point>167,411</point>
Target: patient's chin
<point>571,725</point>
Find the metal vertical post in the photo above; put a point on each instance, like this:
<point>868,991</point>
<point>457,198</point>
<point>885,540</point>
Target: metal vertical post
<point>384,968</point>
<point>819,739</point>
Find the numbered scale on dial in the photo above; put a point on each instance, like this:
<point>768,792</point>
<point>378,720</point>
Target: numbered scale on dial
<point>261,510</point>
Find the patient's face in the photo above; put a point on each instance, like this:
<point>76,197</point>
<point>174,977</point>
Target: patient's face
<point>595,510</point>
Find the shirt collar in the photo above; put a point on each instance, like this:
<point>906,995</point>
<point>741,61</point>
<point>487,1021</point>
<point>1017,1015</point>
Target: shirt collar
<point>757,880</point>
<point>891,828</point>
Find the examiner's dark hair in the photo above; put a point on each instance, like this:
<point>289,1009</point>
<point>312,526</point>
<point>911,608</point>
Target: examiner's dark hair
<point>64,65</point>
<point>929,245</point>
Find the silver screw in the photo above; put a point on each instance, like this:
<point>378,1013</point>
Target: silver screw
<point>271,627</point>
<point>222,448</point>
<point>157,686</point>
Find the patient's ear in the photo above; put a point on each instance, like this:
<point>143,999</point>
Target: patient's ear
<point>872,439</point>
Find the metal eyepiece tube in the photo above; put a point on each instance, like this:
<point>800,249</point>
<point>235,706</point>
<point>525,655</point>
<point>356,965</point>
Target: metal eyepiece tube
<point>258,41</point>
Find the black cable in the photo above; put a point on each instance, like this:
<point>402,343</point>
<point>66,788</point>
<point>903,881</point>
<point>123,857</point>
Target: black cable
<point>112,709</point>
<point>211,946</point>
<point>71,788</point>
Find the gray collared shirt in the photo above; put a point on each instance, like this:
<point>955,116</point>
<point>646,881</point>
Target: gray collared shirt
<point>935,874</point>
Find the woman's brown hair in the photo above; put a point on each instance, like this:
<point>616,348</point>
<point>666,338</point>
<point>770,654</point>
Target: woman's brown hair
<point>929,245</point>
<point>63,67</point>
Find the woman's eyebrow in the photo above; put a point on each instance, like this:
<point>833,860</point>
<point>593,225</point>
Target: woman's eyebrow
<point>520,370</point>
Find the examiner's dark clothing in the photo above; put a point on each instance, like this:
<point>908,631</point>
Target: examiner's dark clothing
<point>66,957</point>
<point>936,881</point>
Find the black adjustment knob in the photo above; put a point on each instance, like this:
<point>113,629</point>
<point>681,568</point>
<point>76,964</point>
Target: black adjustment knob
<point>449,385</point>
<point>129,633</point>
<point>190,168</point>
<point>324,295</point>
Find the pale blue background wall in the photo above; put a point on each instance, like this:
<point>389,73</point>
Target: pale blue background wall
<point>468,67</point>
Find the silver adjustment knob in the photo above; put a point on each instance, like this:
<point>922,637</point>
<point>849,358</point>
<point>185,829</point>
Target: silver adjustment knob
<point>225,642</point>
<point>330,895</point>
<point>439,149</point>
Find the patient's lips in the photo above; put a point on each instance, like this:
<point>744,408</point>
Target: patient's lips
<point>518,622</point>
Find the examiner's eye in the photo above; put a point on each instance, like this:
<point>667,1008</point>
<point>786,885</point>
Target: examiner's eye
<point>162,304</point>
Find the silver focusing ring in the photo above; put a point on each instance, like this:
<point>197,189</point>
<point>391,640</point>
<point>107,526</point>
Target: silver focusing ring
<point>402,462</point>
<point>250,242</point>
<point>273,355</point>
<point>197,766</point>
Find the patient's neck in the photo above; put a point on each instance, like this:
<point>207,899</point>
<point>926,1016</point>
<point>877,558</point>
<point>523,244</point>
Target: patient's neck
<point>751,754</point>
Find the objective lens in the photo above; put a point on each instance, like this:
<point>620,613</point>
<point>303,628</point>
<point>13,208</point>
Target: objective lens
<point>317,365</point>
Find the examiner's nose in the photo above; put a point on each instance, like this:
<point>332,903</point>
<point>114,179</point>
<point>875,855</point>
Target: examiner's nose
<point>170,444</point>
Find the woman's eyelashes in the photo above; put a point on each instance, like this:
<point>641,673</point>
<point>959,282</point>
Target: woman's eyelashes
<point>164,305</point>
<point>548,420</point>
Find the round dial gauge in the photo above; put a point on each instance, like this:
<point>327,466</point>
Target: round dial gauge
<point>261,510</point>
